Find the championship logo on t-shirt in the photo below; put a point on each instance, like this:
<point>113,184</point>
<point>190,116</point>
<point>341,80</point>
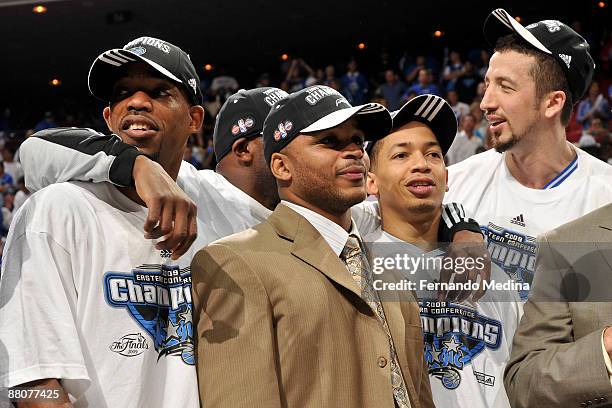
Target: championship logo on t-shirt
<point>512,251</point>
<point>454,336</point>
<point>158,297</point>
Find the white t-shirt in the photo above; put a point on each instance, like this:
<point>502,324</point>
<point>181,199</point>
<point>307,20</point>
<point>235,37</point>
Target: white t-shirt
<point>223,209</point>
<point>462,147</point>
<point>511,215</point>
<point>85,298</point>
<point>467,344</point>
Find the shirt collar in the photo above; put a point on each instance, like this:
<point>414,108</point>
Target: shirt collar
<point>332,233</point>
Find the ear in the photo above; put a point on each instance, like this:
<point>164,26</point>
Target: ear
<point>281,167</point>
<point>106,114</point>
<point>196,113</point>
<point>242,150</point>
<point>446,171</point>
<point>371,186</point>
<point>554,103</point>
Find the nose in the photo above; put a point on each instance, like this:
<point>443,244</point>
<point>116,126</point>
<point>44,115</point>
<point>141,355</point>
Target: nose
<point>489,102</point>
<point>353,151</point>
<point>419,163</point>
<point>140,101</point>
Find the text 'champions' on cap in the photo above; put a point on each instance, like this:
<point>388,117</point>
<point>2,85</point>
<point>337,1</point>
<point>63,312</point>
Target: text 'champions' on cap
<point>165,58</point>
<point>318,108</point>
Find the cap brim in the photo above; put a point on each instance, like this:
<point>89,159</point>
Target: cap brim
<point>374,119</point>
<point>432,111</point>
<point>500,23</point>
<point>106,69</point>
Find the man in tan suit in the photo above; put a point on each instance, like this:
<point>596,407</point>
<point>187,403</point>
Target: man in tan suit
<point>285,312</point>
<point>561,352</point>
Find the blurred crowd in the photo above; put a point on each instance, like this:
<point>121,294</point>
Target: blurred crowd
<point>457,76</point>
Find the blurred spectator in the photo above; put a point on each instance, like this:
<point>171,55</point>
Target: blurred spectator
<point>588,143</point>
<point>483,64</point>
<point>466,142</point>
<point>48,121</point>
<point>21,195</point>
<point>330,78</point>
<point>467,82</point>
<point>598,131</point>
<point>7,208</point>
<point>459,107</point>
<point>482,124</point>
<point>188,154</point>
<point>298,75</point>
<point>452,70</point>
<point>263,81</point>
<point>411,71</point>
<point>425,84</point>
<point>480,91</point>
<point>224,85</point>
<point>594,105</point>
<point>392,89</point>
<point>354,85</point>
<point>6,180</point>
<point>11,166</point>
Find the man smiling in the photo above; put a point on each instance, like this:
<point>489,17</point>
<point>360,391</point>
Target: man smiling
<point>533,180</point>
<point>87,306</point>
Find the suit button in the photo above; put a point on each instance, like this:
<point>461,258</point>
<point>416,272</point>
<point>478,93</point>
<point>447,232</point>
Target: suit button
<point>582,404</point>
<point>603,399</point>
<point>382,362</point>
<point>589,402</point>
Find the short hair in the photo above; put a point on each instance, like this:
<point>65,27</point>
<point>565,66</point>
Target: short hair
<point>374,154</point>
<point>546,72</point>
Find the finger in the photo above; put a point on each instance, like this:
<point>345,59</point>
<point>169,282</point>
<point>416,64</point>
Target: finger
<point>471,279</point>
<point>166,225</point>
<point>190,235</point>
<point>154,209</point>
<point>445,277</point>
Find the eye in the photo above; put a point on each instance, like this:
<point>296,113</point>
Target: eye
<point>399,156</point>
<point>329,141</point>
<point>161,92</point>
<point>436,155</point>
<point>120,92</point>
<point>358,140</point>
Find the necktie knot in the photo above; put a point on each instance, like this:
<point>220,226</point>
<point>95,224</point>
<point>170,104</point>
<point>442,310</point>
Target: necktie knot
<point>351,249</point>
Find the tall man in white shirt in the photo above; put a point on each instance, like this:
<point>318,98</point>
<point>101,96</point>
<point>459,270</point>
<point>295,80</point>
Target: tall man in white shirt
<point>534,180</point>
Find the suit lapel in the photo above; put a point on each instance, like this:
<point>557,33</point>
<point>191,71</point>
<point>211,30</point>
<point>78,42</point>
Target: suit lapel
<point>310,247</point>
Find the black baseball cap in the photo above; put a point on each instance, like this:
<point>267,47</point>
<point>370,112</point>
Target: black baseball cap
<point>243,115</point>
<point>431,110</point>
<point>167,59</point>
<point>551,37</point>
<point>319,108</point>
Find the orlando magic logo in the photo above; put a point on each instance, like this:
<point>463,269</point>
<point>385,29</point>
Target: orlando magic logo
<point>454,336</point>
<point>158,297</point>
<point>514,252</point>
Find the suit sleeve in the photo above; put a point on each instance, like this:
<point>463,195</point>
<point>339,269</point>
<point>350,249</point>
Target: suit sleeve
<point>548,366</point>
<point>237,358</point>
<point>77,154</point>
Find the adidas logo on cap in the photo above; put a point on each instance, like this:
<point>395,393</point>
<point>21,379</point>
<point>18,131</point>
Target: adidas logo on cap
<point>566,58</point>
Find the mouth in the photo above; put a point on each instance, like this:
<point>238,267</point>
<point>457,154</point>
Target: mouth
<point>139,127</point>
<point>353,172</point>
<point>496,123</point>
<point>422,187</point>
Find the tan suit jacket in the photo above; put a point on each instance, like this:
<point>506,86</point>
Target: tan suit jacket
<point>280,323</point>
<point>557,358</point>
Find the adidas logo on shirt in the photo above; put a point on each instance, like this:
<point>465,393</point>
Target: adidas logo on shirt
<point>518,220</point>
